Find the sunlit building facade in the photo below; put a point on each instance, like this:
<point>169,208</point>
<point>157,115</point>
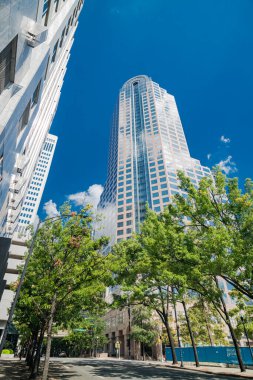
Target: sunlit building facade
<point>36,37</point>
<point>147,148</point>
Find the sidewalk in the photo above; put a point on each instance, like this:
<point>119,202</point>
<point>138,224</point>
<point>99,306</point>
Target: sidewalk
<point>211,369</point>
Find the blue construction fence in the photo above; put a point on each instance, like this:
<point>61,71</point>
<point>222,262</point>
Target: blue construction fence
<point>208,354</point>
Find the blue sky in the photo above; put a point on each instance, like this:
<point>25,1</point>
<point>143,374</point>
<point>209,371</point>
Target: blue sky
<point>201,51</point>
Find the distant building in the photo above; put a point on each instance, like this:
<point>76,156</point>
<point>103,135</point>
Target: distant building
<point>38,181</point>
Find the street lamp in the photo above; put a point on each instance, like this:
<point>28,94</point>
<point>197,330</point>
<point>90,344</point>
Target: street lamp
<point>22,277</point>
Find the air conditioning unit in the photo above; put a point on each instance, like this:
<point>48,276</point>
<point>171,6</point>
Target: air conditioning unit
<point>36,35</point>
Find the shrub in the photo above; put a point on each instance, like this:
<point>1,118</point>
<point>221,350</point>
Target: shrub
<point>7,351</point>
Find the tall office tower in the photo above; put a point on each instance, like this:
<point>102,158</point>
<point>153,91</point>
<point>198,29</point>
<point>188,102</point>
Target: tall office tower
<point>28,216</point>
<point>35,42</point>
<point>147,148</point>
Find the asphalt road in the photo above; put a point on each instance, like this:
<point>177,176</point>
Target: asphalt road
<point>87,369</point>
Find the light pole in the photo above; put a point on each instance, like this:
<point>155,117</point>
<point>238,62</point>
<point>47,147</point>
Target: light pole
<point>129,329</point>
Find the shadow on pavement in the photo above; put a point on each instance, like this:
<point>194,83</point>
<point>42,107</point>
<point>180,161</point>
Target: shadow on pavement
<point>136,370</point>
<point>13,370</point>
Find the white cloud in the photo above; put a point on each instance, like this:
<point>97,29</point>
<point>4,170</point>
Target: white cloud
<point>50,209</point>
<point>91,196</point>
<point>225,140</point>
<point>209,156</point>
<point>227,166</point>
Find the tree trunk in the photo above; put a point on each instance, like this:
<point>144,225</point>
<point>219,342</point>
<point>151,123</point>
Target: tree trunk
<point>31,350</point>
<point>171,340</point>
<point>49,338</point>
<point>207,324</point>
<point>36,361</point>
<point>142,351</point>
<point>228,322</point>
<point>191,334</point>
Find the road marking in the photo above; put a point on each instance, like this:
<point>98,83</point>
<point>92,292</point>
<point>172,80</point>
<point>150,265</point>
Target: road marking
<point>100,377</point>
<point>65,366</point>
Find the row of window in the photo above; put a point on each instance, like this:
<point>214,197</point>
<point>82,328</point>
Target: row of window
<point>23,221</point>
<point>29,204</point>
<point>26,215</point>
<point>121,232</point>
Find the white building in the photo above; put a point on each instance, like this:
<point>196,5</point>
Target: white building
<point>35,42</point>
<point>27,216</point>
<point>37,184</point>
<point>147,148</point>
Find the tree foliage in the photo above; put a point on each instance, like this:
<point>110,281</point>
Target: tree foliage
<point>66,275</point>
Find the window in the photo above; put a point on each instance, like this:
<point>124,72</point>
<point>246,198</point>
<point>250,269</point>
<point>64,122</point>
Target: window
<point>62,37</point>
<point>120,209</point>
<point>54,52</point>
<point>56,5</point>
<point>120,224</point>
<point>67,30</point>
<point>24,118</point>
<point>129,222</point>
<point>156,201</point>
<point>120,232</point>
<point>157,209</point>
<point>155,195</point>
<point>1,163</point>
<point>7,64</point>
<point>129,230</point>
<point>120,217</point>
<point>36,93</point>
<point>45,11</point>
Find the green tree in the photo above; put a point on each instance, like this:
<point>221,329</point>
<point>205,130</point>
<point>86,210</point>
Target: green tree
<point>143,328</point>
<point>142,267</point>
<point>87,335</point>
<point>206,324</point>
<point>217,218</point>
<point>66,274</point>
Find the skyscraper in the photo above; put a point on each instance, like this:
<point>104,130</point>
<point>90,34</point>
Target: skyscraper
<point>35,42</point>
<point>147,148</point>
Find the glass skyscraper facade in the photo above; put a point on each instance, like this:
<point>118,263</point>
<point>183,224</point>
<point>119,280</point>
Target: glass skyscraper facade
<point>147,148</point>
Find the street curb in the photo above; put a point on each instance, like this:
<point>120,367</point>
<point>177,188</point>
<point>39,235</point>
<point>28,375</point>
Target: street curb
<point>206,371</point>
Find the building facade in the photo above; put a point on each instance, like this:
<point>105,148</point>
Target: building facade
<point>27,216</point>
<point>35,42</point>
<point>147,148</point>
